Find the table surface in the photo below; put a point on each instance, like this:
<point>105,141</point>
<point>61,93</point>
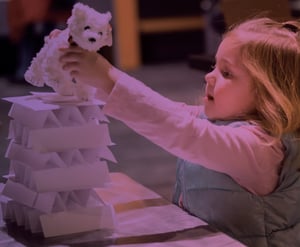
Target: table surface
<point>143,218</point>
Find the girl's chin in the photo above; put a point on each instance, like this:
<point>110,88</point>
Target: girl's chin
<point>208,113</point>
<point>211,115</point>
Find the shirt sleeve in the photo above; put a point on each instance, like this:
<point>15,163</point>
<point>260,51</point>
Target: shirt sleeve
<point>242,152</point>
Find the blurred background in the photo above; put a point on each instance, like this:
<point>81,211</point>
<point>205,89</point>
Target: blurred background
<point>169,45</point>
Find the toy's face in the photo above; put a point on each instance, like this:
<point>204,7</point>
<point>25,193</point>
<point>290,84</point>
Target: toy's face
<point>90,29</point>
<point>92,36</point>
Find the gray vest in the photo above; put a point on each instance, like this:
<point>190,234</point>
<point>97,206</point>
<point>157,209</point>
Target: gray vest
<point>257,221</point>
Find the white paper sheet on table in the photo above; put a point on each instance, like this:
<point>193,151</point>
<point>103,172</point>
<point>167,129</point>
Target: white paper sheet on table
<point>81,220</point>
<point>159,218</point>
<point>166,217</point>
<point>215,240</point>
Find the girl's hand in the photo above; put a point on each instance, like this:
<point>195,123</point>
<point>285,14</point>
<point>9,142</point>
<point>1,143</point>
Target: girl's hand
<point>89,67</point>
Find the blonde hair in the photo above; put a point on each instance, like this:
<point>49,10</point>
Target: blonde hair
<point>270,51</point>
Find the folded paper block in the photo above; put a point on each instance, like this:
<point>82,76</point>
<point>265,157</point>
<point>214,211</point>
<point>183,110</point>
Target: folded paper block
<point>33,219</point>
<point>19,193</point>
<point>17,132</point>
<point>18,169</point>
<point>18,152</point>
<point>71,178</point>
<point>64,138</point>
<point>76,158</point>
<point>81,220</point>
<point>32,102</point>
<point>19,215</point>
<point>105,153</point>
<point>58,150</point>
<point>6,209</point>
<point>93,154</point>
<point>69,116</point>
<point>22,215</point>
<point>33,159</point>
<point>93,112</point>
<point>56,99</point>
<point>30,117</point>
<point>41,101</point>
<point>86,197</point>
<point>22,172</point>
<point>69,156</point>
<point>36,111</point>
<point>45,201</point>
<point>34,119</point>
<point>51,121</point>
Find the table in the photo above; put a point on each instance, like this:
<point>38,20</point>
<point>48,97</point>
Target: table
<point>143,217</point>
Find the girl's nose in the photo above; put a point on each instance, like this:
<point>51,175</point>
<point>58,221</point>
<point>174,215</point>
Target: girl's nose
<point>210,78</point>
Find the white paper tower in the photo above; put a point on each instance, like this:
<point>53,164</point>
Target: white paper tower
<point>57,155</point>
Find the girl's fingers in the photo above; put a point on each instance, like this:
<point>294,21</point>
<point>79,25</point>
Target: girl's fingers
<point>70,66</point>
<point>71,54</point>
<point>75,49</point>
<point>74,73</point>
<point>69,57</point>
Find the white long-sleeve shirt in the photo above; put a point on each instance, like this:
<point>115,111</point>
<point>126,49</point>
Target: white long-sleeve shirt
<point>241,152</point>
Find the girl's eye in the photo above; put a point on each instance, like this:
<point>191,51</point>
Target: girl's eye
<point>226,74</point>
<point>86,27</point>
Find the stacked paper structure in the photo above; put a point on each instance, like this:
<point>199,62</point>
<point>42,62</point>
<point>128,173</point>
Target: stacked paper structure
<point>58,153</point>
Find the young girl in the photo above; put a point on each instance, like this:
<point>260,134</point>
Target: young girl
<point>239,158</point>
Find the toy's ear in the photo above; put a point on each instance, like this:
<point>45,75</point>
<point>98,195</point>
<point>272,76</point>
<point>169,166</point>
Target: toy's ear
<point>109,36</point>
<point>79,10</point>
<point>108,40</point>
<point>78,13</point>
<point>108,16</point>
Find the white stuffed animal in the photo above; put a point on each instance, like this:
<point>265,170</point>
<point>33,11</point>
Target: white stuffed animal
<point>86,28</point>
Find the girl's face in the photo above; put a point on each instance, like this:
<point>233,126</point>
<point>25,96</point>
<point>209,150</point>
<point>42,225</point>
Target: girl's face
<point>229,88</point>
